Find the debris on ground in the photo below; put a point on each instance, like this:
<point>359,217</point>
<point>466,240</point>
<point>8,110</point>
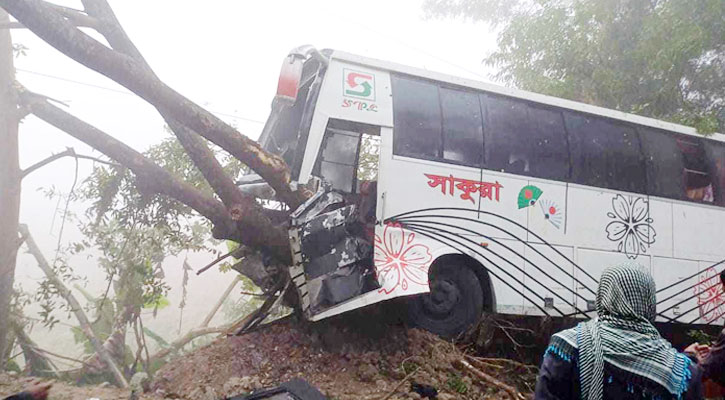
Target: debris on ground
<point>353,357</point>
<point>343,362</point>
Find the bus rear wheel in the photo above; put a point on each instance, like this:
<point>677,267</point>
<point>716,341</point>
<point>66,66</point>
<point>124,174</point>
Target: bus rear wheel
<point>453,305</point>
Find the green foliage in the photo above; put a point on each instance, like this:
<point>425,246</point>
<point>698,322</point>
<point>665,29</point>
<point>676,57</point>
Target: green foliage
<point>456,384</point>
<point>130,230</point>
<point>369,153</point>
<point>12,366</point>
<point>658,58</point>
<point>700,336</point>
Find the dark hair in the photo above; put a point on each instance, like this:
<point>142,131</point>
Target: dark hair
<point>722,276</point>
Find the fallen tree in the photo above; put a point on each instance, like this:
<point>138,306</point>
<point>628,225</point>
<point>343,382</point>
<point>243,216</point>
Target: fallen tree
<point>233,214</point>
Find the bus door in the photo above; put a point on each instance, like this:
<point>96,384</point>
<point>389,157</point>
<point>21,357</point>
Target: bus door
<point>335,228</point>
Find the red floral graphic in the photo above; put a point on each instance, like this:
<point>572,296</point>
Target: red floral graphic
<point>399,261</point>
<point>710,296</point>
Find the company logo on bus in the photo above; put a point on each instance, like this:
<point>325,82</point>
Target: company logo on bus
<point>358,84</point>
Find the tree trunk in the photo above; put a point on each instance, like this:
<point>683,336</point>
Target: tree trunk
<point>75,306</point>
<point>9,180</point>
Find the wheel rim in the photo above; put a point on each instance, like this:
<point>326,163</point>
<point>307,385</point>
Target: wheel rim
<point>442,299</point>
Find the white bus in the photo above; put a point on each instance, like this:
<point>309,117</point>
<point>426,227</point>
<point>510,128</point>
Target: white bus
<point>472,197</point>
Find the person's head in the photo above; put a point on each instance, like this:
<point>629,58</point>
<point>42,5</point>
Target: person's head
<point>628,292</point>
<point>722,279</point>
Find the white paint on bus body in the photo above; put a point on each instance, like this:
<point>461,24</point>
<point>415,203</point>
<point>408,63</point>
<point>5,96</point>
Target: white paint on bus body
<point>579,222</point>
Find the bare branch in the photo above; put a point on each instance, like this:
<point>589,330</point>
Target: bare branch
<point>12,25</point>
<point>111,29</point>
<point>69,152</point>
<point>148,172</point>
<point>76,17</point>
<point>135,76</point>
<point>219,302</point>
<point>75,306</point>
<point>246,225</point>
<point>241,206</point>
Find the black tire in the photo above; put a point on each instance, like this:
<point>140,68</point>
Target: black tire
<point>454,304</point>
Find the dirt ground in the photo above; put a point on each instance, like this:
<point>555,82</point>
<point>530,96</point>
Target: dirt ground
<point>12,384</point>
<point>360,356</point>
<point>344,360</point>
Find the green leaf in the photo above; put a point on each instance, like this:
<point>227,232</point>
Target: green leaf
<point>159,302</point>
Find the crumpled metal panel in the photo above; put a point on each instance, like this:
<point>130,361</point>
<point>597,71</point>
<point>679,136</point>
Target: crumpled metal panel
<point>348,251</point>
<point>328,245</point>
<point>323,232</point>
<point>315,205</point>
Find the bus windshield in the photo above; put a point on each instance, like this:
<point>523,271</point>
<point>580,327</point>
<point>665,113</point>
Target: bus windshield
<point>287,127</point>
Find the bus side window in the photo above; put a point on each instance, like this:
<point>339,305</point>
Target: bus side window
<point>506,124</point>
<point>664,163</point>
<point>462,127</point>
<point>605,154</point>
<point>523,139</point>
<point>716,155</point>
<point>696,175</point>
<point>417,119</point>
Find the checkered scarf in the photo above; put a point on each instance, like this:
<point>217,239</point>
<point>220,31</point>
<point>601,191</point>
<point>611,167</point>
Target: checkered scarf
<point>623,336</point>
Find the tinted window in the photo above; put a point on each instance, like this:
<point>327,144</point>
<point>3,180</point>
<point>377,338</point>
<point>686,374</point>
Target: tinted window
<point>605,154</point>
<point>522,139</point>
<point>549,144</point>
<point>697,179</point>
<point>417,119</point>
<point>462,127</point>
<point>663,160</point>
<point>337,164</point>
<point>716,155</point>
<point>625,162</point>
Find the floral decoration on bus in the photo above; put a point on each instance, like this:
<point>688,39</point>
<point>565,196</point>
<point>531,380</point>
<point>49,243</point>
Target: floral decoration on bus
<point>449,184</point>
<point>631,226</point>
<point>399,260</point>
<point>710,297</point>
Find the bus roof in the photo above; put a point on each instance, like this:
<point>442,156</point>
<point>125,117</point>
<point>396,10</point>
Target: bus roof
<point>521,94</point>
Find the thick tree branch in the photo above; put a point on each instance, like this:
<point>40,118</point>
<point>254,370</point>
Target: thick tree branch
<point>69,152</point>
<point>76,17</point>
<point>194,145</point>
<point>243,208</point>
<point>112,30</point>
<point>246,225</point>
<point>134,75</point>
<point>148,173</point>
<point>75,306</point>
<point>12,25</point>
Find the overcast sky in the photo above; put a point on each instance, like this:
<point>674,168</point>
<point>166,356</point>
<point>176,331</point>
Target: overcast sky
<point>225,56</point>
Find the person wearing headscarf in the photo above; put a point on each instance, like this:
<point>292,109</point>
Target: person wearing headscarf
<point>711,359</point>
<point>619,354</point>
